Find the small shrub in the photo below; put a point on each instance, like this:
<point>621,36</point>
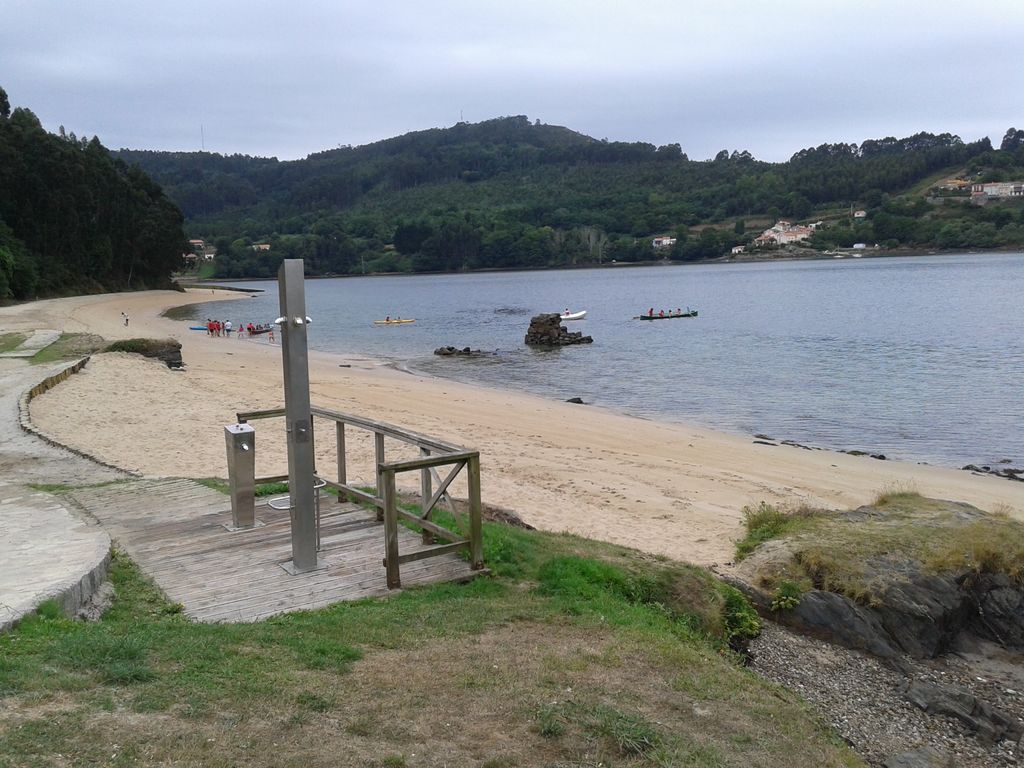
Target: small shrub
<point>740,617</point>
<point>787,596</point>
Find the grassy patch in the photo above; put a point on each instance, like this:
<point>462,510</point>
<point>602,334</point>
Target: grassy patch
<point>765,522</point>
<point>68,347</point>
<point>574,653</point>
<point>11,341</point>
<point>850,553</point>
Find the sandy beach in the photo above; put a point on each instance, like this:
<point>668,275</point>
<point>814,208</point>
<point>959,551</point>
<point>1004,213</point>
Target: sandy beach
<point>666,489</point>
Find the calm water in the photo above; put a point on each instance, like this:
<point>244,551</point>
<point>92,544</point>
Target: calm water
<point>918,358</point>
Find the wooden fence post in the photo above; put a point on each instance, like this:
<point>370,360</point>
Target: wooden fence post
<point>378,442</point>
<point>391,530</point>
<point>339,431</point>
<point>476,538</point>
<point>426,491</point>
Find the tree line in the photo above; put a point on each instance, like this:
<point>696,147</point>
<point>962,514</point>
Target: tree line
<point>73,219</point>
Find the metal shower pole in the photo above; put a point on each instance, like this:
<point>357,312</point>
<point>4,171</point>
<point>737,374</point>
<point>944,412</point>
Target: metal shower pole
<point>298,419</point>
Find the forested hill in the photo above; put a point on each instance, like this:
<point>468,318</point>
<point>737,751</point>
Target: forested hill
<point>511,193</point>
<point>75,220</point>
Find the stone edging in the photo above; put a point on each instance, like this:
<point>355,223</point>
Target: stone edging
<point>25,420</point>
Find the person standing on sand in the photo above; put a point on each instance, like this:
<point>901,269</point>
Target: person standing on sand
<point>126,320</point>
<point>227,328</point>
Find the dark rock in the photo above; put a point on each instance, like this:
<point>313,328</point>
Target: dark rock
<point>166,350</point>
<point>1010,473</point>
<point>856,453</point>
<point>764,442</point>
<point>547,331</point>
<point>456,352</point>
<point>988,723</point>
<point>838,619</point>
<point>577,400</point>
<point>924,614</point>
<point>795,444</point>
<point>879,456</point>
<point>1000,609</point>
<point>763,437</point>
<point>925,757</point>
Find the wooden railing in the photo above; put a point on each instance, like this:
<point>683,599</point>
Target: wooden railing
<point>434,454</point>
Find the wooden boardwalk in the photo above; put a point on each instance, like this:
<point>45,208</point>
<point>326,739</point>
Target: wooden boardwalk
<point>174,529</point>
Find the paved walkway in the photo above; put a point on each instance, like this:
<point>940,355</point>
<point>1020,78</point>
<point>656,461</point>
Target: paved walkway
<point>47,549</point>
<point>38,340</point>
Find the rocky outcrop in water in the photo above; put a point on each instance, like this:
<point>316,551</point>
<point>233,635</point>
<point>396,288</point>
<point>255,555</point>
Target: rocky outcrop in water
<point>547,331</point>
<point>456,352</point>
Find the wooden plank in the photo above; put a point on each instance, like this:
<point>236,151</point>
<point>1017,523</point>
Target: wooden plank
<point>439,549</point>
<point>425,462</point>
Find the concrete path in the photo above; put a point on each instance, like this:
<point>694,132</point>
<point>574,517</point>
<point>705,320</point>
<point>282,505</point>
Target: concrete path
<point>36,341</point>
<point>47,549</point>
<point>48,553</point>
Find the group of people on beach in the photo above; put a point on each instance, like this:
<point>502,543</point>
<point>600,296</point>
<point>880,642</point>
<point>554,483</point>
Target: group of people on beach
<point>225,328</point>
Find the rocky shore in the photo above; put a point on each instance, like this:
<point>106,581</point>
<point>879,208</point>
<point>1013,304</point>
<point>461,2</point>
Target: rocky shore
<point>865,700</point>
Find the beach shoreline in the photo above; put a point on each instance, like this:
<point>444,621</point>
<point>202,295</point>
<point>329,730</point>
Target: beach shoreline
<point>665,488</point>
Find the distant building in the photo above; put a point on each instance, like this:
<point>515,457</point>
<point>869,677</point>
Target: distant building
<point>860,214</point>
<point>738,249</point>
<point>662,242</point>
<point>859,246</point>
<point>784,233</point>
<point>261,246</point>
<point>200,250</point>
<point>998,189</point>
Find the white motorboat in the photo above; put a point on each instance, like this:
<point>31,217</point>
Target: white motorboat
<point>567,315</point>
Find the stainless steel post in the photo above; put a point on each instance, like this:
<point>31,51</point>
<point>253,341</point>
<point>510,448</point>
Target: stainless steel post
<point>241,445</point>
<point>298,419</point>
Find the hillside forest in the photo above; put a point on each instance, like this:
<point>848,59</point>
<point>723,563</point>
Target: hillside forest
<point>511,193</point>
<point>73,219</point>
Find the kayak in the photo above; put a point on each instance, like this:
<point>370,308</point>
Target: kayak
<point>396,321</point>
<point>198,328</point>
<point>573,315</point>
<point>691,313</point>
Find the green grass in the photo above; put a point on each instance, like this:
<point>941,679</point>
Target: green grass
<point>11,341</point>
<point>68,347</point>
<point>574,652</point>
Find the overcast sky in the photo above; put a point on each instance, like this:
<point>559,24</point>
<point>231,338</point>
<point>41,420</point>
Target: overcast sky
<point>284,79</point>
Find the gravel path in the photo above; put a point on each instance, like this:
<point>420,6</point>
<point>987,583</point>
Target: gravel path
<point>862,698</point>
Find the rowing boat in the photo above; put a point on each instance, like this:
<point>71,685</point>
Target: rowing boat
<point>395,321</point>
<point>691,313</point>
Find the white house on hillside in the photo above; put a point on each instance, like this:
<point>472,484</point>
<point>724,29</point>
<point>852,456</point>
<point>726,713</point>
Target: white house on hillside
<point>783,233</point>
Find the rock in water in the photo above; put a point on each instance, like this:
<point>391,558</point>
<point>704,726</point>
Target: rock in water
<point>547,331</point>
